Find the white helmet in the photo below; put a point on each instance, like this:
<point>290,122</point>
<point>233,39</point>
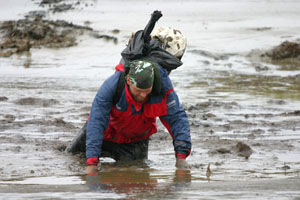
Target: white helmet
<point>173,40</point>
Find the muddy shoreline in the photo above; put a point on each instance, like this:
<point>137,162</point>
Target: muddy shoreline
<point>243,106</point>
<point>34,31</point>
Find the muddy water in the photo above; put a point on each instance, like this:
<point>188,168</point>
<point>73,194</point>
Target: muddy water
<point>244,113</point>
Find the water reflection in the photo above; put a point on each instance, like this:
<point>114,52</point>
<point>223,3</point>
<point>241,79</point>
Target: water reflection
<point>138,181</point>
<point>121,181</point>
<point>182,176</point>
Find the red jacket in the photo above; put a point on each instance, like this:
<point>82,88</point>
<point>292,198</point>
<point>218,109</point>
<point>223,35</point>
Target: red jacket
<point>131,121</point>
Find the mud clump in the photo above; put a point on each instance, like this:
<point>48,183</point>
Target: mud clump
<point>62,8</point>
<point>50,1</point>
<point>19,36</point>
<point>61,147</point>
<point>8,118</point>
<point>293,113</point>
<point>36,101</point>
<point>105,37</point>
<point>239,149</point>
<point>285,54</point>
<point>3,98</point>
<point>243,150</point>
<point>33,31</point>
<point>23,34</point>
<point>223,150</point>
<point>57,6</point>
<point>61,123</point>
<point>49,125</point>
<point>286,50</point>
<point>60,5</point>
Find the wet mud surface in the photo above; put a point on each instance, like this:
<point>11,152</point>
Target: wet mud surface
<point>243,107</point>
<point>19,36</point>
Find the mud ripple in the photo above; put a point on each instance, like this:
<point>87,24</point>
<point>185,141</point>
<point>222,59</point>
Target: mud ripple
<point>36,101</point>
<point>210,104</point>
<point>211,55</point>
<point>3,98</point>
<point>55,122</point>
<point>8,118</point>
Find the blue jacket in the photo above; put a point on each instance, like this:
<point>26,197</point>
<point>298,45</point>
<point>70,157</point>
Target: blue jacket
<point>131,121</point>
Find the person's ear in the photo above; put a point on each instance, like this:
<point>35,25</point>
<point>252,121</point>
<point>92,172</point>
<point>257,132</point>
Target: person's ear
<point>128,80</point>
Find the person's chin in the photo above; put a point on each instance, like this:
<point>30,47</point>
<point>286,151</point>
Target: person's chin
<point>139,100</point>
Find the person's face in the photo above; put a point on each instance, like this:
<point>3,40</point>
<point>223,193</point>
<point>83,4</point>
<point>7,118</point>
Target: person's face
<point>137,93</point>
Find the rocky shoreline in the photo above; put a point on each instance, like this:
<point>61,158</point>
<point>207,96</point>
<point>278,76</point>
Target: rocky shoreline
<point>34,31</point>
<point>286,53</point>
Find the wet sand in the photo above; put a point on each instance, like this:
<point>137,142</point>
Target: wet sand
<point>244,110</point>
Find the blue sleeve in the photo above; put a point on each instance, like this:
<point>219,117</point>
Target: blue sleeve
<point>100,115</point>
<point>176,121</point>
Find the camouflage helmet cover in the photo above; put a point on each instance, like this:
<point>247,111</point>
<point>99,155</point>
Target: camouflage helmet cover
<point>141,73</point>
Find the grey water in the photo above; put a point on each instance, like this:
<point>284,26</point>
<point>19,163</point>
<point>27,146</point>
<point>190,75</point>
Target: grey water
<point>229,98</point>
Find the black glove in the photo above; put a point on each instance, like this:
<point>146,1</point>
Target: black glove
<point>149,27</point>
<point>156,15</point>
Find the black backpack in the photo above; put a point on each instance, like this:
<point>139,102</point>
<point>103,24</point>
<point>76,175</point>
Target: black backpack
<point>143,47</point>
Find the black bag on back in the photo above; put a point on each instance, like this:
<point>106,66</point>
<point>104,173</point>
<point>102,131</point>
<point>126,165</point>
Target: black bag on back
<point>143,47</point>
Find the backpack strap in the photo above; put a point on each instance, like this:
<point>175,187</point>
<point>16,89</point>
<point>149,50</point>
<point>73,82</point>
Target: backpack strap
<point>119,89</point>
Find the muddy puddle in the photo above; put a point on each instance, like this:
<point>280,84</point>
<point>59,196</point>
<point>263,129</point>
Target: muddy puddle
<point>243,105</point>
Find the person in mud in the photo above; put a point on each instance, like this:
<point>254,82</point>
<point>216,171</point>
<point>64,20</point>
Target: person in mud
<point>122,130</point>
<point>124,111</point>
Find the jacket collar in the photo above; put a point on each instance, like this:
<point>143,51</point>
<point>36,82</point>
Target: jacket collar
<point>137,105</point>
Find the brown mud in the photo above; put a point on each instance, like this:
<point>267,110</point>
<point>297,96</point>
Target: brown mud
<point>243,112</point>
<point>19,36</point>
<point>286,54</point>
<point>236,142</point>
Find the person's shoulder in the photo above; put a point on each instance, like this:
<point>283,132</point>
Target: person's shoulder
<point>166,83</point>
<point>109,86</point>
<point>162,70</point>
<point>113,79</point>
<point>164,75</point>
